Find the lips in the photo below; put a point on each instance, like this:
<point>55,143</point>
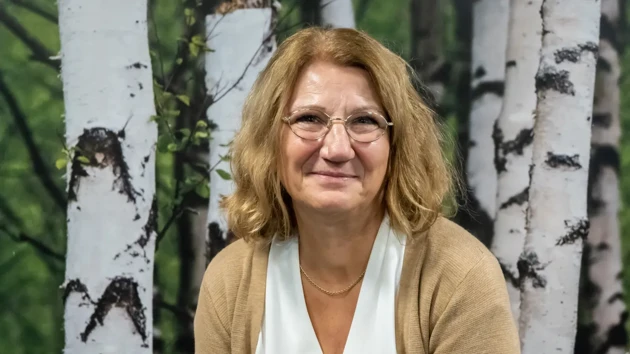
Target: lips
<point>333,174</point>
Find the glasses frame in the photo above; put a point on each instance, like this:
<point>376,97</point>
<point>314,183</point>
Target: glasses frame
<point>331,121</point>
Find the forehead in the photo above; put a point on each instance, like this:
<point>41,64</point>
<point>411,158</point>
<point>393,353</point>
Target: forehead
<point>331,86</point>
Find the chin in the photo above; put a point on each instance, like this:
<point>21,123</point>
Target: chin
<point>332,201</point>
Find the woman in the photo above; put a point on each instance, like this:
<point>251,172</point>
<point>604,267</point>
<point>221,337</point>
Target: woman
<point>339,181</point>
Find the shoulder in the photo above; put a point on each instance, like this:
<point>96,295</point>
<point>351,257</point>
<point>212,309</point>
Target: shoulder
<point>230,271</point>
<point>448,257</point>
<point>453,250</point>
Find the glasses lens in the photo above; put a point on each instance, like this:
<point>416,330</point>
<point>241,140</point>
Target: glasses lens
<point>366,126</point>
<point>308,124</point>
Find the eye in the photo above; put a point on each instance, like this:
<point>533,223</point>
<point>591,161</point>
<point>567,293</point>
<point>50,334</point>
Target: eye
<point>364,119</point>
<point>309,118</point>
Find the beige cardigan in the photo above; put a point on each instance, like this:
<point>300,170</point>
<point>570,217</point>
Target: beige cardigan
<point>452,298</point>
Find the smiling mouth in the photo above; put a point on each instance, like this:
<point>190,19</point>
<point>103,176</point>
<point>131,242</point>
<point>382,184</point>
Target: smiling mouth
<point>333,175</point>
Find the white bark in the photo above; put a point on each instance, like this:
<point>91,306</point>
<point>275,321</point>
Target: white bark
<point>490,27</point>
<point>513,140</point>
<point>337,13</point>
<point>557,220</point>
<point>108,96</point>
<point>243,44</point>
<point>603,241</point>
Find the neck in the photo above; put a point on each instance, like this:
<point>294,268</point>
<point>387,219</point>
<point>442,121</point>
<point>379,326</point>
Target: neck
<point>335,248</point>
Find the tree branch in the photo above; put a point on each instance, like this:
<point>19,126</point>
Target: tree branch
<point>36,10</point>
<point>39,245</point>
<point>39,165</point>
<point>40,52</point>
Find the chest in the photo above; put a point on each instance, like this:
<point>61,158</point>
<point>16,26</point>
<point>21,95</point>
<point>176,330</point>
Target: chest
<point>299,319</point>
<point>331,317</point>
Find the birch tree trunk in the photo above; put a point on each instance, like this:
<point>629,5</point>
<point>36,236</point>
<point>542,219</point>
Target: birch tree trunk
<point>513,136</point>
<point>426,48</point>
<point>243,42</point>
<point>490,27</point>
<point>602,291</point>
<point>108,96</point>
<point>557,217</point>
<point>337,13</point>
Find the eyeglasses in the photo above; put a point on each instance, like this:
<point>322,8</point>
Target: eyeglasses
<point>312,124</point>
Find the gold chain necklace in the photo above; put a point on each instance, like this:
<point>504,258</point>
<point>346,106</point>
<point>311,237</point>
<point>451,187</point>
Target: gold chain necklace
<point>332,293</point>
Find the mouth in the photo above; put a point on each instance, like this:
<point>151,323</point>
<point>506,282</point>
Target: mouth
<point>332,174</point>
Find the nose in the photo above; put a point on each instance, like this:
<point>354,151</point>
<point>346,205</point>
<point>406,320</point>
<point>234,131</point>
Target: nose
<point>337,146</point>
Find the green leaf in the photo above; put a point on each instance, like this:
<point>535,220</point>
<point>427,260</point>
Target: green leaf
<point>194,49</point>
<point>188,12</point>
<point>185,132</point>
<point>185,99</point>
<point>171,112</point>
<point>179,61</point>
<point>198,40</point>
<point>202,124</point>
<point>203,190</point>
<point>223,174</point>
<point>154,118</point>
<point>163,141</point>
<point>83,160</point>
<point>61,163</point>
<point>201,135</point>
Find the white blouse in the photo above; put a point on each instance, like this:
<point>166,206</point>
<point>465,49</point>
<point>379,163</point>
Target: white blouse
<point>286,324</point>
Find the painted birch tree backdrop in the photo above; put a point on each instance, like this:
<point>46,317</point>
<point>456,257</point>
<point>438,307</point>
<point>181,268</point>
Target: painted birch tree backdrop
<point>116,117</point>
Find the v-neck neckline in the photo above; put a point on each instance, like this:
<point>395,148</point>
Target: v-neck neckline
<point>368,291</point>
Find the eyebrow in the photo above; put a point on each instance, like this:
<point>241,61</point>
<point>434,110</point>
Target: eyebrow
<point>363,108</point>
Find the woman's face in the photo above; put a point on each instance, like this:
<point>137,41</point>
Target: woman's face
<point>334,173</point>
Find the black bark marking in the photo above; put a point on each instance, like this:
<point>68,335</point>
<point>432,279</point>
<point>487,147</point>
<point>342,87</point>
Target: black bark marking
<point>509,275</point>
<point>479,72</point>
<point>217,240</point>
<point>140,86</point>
<point>488,87</point>
<point>148,229</point>
<point>609,32</point>
<point>499,158</point>
<point>616,297</point>
<point>75,285</point>
<point>605,156</point>
<point>617,336</point>
<point>510,63</point>
<point>602,246</point>
<point>137,65</point>
<point>619,276</point>
<point>516,146</point>
<point>557,160</point>
<point>603,65</point>
<point>132,95</point>
<point>573,54</point>
<point>576,231</point>
<point>121,292</point>
<point>602,120</point>
<point>518,199</point>
<point>528,267</point>
<point>602,156</point>
<point>551,79</point>
<point>102,148</point>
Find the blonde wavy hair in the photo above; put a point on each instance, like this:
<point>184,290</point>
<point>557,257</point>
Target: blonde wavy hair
<point>419,177</point>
